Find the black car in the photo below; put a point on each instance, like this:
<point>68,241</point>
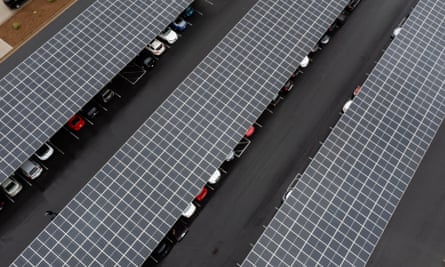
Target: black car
<point>14,4</point>
<point>106,95</point>
<point>352,5</point>
<point>162,250</point>
<point>145,60</point>
<point>90,110</point>
<point>178,231</point>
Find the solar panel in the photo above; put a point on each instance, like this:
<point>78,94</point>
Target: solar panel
<point>123,212</point>
<point>53,83</point>
<point>342,203</point>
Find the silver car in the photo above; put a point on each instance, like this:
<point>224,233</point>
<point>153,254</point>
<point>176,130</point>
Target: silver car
<point>31,169</point>
<point>11,186</point>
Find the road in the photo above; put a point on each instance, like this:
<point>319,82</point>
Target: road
<point>234,217</point>
<point>82,158</point>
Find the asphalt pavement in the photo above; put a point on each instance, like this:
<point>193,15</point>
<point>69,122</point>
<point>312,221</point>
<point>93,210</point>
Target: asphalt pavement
<point>249,193</point>
<point>234,216</point>
<point>79,159</point>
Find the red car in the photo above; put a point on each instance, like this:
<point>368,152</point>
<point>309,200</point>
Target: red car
<point>250,131</point>
<point>202,195</point>
<point>76,123</point>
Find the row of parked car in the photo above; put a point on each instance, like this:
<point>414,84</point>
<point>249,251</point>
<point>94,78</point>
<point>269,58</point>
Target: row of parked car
<point>180,228</point>
<point>32,168</point>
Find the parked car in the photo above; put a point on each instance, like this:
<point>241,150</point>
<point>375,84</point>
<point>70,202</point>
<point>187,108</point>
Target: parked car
<point>352,5</point>
<point>188,12</point>
<point>14,4</point>
<point>90,111</point>
<point>11,186</point>
<point>168,35</point>
<point>44,152</point>
<point>31,169</point>
<point>162,250</point>
<point>106,95</point>
<point>76,123</point>
<point>145,59</point>
<point>305,62</point>
<point>202,195</point>
<point>214,178</point>
<point>398,29</point>
<point>346,105</point>
<point>156,47</point>
<point>178,231</point>
<point>179,24</point>
<point>250,131</point>
<point>189,211</point>
<point>230,156</point>
<point>339,21</point>
<point>290,188</point>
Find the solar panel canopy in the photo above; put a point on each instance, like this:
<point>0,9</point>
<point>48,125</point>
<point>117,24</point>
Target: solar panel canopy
<point>124,211</point>
<point>341,205</point>
<point>53,83</point>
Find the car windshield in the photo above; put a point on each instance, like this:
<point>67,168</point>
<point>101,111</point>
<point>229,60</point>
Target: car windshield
<point>34,170</point>
<point>166,31</point>
<point>10,186</point>
<point>42,150</point>
<point>75,120</point>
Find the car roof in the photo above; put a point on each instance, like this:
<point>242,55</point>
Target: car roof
<point>28,165</point>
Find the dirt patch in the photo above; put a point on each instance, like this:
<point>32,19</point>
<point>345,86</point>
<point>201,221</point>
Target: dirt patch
<point>32,17</point>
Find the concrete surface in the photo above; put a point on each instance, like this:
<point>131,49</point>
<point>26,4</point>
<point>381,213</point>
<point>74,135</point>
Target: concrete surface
<point>5,12</point>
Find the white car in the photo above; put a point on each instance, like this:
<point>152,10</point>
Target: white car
<point>11,186</point>
<point>44,152</point>
<point>305,62</point>
<point>230,156</point>
<point>156,47</point>
<point>214,178</point>
<point>396,32</point>
<point>189,211</point>
<point>31,169</point>
<point>346,105</point>
<point>169,35</point>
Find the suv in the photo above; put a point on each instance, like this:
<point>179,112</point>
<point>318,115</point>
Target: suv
<point>14,4</point>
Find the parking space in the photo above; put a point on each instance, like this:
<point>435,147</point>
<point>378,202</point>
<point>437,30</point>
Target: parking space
<point>108,124</point>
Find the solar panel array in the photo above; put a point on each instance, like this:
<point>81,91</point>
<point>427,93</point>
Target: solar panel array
<point>123,212</point>
<point>47,88</point>
<point>342,203</point>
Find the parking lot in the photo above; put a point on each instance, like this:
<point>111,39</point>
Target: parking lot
<point>286,137</point>
<point>78,155</point>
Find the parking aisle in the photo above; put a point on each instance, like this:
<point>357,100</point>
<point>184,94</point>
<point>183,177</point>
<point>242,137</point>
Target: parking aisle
<point>254,185</point>
<point>83,152</point>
